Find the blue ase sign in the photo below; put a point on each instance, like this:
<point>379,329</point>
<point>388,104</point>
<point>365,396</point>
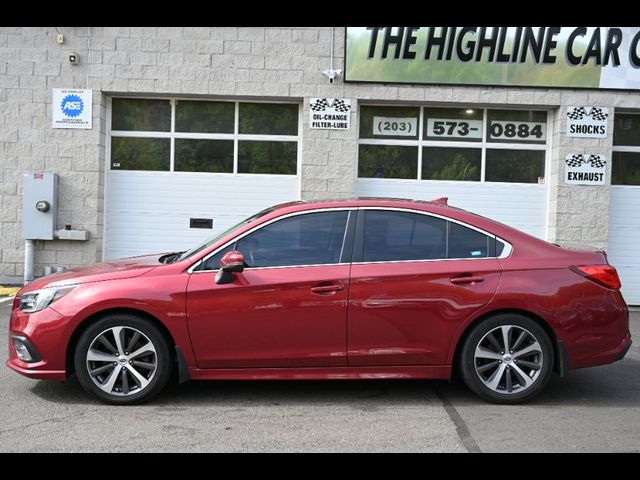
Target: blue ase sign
<point>71,108</point>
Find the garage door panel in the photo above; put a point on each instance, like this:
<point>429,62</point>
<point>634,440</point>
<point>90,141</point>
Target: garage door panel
<point>523,206</point>
<point>149,212</point>
<point>624,231</point>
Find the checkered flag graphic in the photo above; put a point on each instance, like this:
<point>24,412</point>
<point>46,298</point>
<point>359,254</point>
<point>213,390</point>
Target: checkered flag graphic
<point>319,105</point>
<point>578,113</point>
<point>341,106</point>
<point>597,161</point>
<point>598,114</point>
<point>574,161</point>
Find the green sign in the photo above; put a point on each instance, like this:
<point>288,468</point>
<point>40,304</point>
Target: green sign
<point>574,57</point>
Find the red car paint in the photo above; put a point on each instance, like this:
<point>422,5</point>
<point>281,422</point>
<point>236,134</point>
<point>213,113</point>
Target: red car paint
<point>345,321</point>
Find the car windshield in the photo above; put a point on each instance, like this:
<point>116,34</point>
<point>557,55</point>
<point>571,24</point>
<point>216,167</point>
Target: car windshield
<point>212,240</point>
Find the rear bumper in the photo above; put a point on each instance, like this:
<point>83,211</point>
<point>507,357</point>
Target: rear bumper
<point>625,349</point>
<point>33,372</point>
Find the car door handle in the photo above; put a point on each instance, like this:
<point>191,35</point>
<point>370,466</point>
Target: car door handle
<point>470,280</point>
<point>323,289</point>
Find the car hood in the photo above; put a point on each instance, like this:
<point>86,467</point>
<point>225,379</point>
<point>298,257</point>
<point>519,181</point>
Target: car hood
<point>98,272</point>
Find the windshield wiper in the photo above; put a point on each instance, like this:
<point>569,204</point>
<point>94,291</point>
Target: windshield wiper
<point>170,257</point>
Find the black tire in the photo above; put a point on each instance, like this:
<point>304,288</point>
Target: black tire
<point>480,381</point>
<point>130,389</point>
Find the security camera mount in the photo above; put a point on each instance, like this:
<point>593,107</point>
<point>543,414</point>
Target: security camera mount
<point>331,74</point>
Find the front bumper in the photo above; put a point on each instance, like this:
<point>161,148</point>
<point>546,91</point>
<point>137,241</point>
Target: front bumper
<point>45,332</point>
<point>30,370</point>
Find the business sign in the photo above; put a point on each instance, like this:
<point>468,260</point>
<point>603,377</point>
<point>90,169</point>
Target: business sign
<point>572,57</point>
<point>330,113</point>
<point>400,126</point>
<point>587,122</point>
<point>71,108</point>
<point>453,128</point>
<point>585,169</point>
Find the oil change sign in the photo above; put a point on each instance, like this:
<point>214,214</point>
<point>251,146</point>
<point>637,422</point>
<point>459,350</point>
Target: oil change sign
<point>587,169</point>
<point>330,113</point>
<point>71,108</point>
<point>587,122</point>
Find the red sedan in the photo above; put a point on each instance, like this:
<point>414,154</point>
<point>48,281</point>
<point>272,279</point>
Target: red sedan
<point>354,289</point>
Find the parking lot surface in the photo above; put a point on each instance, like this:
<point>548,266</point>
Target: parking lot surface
<point>592,410</point>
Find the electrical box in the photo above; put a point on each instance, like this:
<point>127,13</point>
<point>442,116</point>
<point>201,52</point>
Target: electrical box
<point>40,206</point>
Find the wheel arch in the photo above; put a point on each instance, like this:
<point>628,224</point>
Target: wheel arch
<point>560,365</point>
<point>82,326</point>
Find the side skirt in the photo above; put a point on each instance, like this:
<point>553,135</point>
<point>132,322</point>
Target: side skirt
<point>320,373</point>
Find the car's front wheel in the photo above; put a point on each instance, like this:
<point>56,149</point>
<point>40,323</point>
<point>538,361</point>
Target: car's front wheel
<point>122,359</point>
<point>507,359</point>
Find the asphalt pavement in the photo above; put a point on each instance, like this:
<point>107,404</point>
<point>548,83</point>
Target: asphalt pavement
<point>592,410</point>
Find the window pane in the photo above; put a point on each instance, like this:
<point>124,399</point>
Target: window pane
<point>140,153</point>
<point>390,236</point>
<point>467,243</point>
<point>387,161</point>
<point>204,117</point>
<point>308,239</point>
<point>204,155</point>
<point>517,126</point>
<point>625,168</point>
<point>457,124</point>
<point>213,262</point>
<point>140,115</point>
<point>389,122</point>
<point>518,166</point>
<point>268,118</point>
<point>444,163</point>
<point>626,130</point>
<point>267,157</point>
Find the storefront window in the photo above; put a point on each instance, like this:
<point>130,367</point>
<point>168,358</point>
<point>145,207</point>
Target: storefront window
<point>387,161</point>
<point>389,122</point>
<point>515,166</point>
<point>267,157</point>
<point>268,118</point>
<point>140,115</point>
<point>206,137</point>
<point>140,153</point>
<point>459,124</point>
<point>455,144</point>
<point>204,155</point>
<point>204,117</point>
<point>625,164</point>
<point>445,163</point>
<point>515,126</point>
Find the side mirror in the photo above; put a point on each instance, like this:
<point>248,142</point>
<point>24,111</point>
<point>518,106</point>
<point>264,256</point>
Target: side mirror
<point>230,263</point>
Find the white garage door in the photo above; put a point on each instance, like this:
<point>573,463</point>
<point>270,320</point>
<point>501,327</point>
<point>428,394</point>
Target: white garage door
<point>520,206</point>
<point>178,165</point>
<point>624,232</point>
<point>150,212</point>
<point>488,161</point>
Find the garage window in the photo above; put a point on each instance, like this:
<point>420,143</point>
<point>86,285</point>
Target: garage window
<point>455,144</point>
<point>204,136</point>
<point>625,165</point>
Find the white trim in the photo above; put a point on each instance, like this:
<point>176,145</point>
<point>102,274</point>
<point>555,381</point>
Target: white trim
<point>236,129</point>
<point>107,169</point>
<point>628,149</point>
<point>172,142</point>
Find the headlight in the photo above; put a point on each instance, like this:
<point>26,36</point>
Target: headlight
<point>39,299</point>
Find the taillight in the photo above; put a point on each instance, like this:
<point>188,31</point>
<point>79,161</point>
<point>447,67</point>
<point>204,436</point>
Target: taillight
<point>604,275</point>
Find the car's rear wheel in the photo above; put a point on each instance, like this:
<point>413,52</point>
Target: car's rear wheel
<point>507,358</point>
<point>122,359</point>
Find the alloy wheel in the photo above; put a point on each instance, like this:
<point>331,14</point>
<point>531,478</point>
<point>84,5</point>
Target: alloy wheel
<point>122,361</point>
<point>508,359</point>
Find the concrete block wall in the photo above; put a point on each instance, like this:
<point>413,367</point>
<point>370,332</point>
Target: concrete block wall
<point>222,62</point>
